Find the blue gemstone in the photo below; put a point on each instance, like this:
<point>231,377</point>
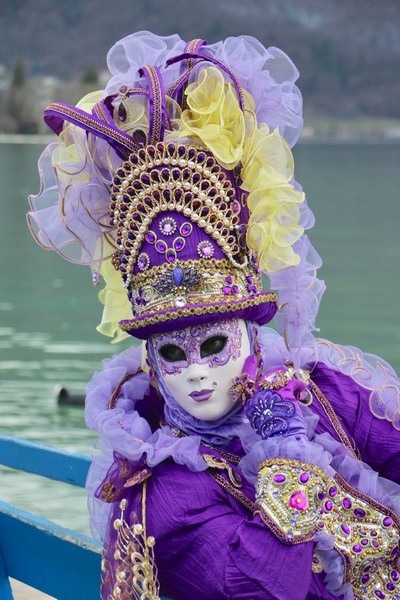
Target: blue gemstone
<point>177,275</point>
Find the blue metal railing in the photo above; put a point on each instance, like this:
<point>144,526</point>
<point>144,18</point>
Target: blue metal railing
<point>53,559</point>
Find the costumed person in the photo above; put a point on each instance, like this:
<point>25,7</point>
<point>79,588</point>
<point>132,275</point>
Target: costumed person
<point>236,460</point>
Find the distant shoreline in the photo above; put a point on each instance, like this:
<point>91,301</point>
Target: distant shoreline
<point>316,131</point>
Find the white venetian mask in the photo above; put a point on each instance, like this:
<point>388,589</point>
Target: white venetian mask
<point>199,363</point>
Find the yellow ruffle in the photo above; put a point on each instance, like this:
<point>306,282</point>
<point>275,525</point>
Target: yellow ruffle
<point>267,169</point>
<point>214,118</point>
<point>116,303</point>
<point>70,156</point>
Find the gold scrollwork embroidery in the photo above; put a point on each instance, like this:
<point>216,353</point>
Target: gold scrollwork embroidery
<point>215,462</point>
<point>135,568</point>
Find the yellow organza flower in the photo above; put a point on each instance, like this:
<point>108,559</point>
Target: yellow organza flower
<point>116,303</point>
<point>267,169</point>
<point>274,236</point>
<point>214,118</point>
<point>70,156</point>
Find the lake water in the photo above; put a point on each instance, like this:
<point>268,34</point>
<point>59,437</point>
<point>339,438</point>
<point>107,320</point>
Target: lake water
<point>49,310</point>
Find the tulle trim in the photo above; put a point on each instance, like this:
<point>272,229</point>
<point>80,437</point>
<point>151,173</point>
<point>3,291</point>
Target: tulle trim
<point>333,566</point>
<point>370,371</point>
<point>295,448</point>
<point>267,74</point>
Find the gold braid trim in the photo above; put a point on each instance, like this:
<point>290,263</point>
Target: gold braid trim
<point>117,390</point>
<point>233,491</point>
<point>197,311</point>
<point>330,413</point>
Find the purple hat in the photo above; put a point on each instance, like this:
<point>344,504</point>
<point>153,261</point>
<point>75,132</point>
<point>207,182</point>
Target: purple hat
<point>180,186</point>
<point>180,244</point>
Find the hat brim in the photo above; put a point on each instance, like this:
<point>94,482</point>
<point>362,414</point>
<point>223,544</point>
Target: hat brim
<point>260,308</point>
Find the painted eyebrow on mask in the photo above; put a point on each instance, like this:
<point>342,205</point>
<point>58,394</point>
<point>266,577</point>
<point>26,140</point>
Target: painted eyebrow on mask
<point>172,353</point>
<point>213,345</point>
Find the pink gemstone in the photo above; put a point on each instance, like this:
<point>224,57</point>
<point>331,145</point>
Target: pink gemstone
<point>206,250</point>
<point>298,500</point>
<point>167,227</point>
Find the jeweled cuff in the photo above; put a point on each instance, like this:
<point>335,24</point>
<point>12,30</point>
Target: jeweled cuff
<point>288,498</point>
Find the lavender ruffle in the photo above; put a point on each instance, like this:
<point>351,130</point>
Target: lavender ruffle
<point>296,447</point>
<point>368,370</point>
<point>267,74</point>
<point>124,431</point>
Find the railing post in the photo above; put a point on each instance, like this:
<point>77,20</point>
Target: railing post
<point>5,587</point>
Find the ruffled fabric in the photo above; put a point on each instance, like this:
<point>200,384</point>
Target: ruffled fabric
<point>274,223</point>
<point>214,118</point>
<point>71,212</point>
<point>333,566</point>
<point>267,74</point>
<point>116,304</point>
<point>137,50</point>
<point>370,371</point>
<point>295,447</point>
<point>124,431</point>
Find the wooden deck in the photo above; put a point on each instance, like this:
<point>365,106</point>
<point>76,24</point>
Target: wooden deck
<point>24,592</point>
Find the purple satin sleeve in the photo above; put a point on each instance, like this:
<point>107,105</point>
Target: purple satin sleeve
<point>210,546</point>
<point>376,439</point>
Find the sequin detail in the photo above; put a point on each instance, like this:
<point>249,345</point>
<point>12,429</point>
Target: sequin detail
<point>295,500</point>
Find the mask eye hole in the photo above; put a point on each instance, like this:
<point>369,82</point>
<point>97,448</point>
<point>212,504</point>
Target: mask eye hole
<point>213,345</point>
<point>172,353</point>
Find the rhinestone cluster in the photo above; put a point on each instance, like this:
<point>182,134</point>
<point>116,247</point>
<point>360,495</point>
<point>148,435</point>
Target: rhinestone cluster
<point>296,499</point>
<point>170,177</point>
<point>189,282</point>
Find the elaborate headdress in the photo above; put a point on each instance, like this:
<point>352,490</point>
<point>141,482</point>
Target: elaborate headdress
<point>177,183</point>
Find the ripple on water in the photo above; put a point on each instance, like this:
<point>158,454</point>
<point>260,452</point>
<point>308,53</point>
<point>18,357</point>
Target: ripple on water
<point>6,306</point>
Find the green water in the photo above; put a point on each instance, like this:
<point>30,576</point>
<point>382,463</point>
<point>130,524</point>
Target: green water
<point>49,310</point>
